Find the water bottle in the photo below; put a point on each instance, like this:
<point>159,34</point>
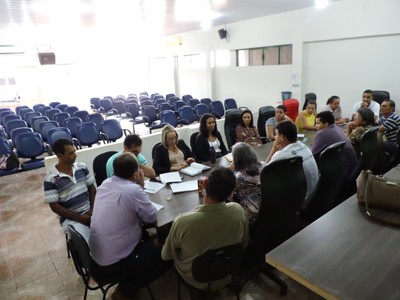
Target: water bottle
<point>213,155</point>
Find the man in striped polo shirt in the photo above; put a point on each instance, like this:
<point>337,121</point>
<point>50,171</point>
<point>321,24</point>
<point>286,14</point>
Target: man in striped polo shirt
<point>69,189</point>
<point>389,121</point>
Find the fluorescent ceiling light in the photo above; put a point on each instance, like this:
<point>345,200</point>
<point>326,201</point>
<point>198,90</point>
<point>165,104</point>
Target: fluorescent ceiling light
<point>319,4</point>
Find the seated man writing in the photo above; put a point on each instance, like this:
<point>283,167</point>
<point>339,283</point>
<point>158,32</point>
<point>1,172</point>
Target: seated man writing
<point>213,225</point>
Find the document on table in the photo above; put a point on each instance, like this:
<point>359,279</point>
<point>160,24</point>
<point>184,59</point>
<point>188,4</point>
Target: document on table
<point>195,169</point>
<point>157,206</point>
<point>152,187</point>
<point>170,177</point>
<point>229,157</point>
<point>185,186</point>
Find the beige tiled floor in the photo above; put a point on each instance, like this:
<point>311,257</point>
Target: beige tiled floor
<point>34,262</point>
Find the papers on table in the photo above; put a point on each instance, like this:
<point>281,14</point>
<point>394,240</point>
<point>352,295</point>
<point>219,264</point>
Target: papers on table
<point>300,135</point>
<point>170,177</point>
<point>152,187</point>
<point>185,186</point>
<point>229,157</point>
<point>195,169</point>
<point>157,206</point>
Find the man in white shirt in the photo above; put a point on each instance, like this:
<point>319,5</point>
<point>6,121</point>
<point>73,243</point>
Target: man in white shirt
<point>287,146</point>
<point>367,102</point>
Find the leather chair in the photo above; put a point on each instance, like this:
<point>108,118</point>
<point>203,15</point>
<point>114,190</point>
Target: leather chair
<point>308,97</point>
<point>264,113</point>
<point>83,261</point>
<point>331,164</point>
<point>99,166</point>
<point>379,96</point>
<point>232,119</point>
<point>283,191</point>
<point>216,264</point>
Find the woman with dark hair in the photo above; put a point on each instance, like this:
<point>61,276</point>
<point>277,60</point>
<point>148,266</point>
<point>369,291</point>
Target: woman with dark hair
<point>363,120</point>
<point>246,132</point>
<point>247,171</point>
<point>172,154</point>
<point>209,137</point>
<point>333,105</point>
<point>306,119</point>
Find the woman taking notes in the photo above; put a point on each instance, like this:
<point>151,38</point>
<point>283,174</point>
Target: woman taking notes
<point>172,154</point>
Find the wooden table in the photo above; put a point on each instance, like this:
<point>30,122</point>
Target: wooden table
<point>344,255</point>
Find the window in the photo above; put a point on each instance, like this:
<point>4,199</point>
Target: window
<point>192,62</point>
<point>274,55</point>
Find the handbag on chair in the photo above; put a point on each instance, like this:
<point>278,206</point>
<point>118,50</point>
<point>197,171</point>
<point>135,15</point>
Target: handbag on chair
<point>380,196</point>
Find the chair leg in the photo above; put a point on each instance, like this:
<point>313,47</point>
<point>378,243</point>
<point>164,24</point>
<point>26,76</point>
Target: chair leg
<point>66,240</point>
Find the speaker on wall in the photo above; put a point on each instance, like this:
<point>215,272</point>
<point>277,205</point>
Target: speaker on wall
<point>222,33</point>
<point>47,58</point>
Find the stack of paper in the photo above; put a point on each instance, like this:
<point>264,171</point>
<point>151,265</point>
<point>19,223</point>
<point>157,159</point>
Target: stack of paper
<point>185,186</point>
<point>152,187</point>
<point>170,177</point>
<point>195,169</point>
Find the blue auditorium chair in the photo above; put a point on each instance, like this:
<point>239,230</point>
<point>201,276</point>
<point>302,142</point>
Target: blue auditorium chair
<point>30,145</point>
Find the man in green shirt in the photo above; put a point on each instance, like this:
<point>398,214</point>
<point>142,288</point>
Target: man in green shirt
<point>213,225</point>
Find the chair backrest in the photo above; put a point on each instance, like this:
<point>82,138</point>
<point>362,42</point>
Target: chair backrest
<point>18,108</point>
<point>206,101</point>
<point>331,169</point>
<point>167,96</point>
<point>54,104</point>
<point>178,104</point>
<point>119,106</point>
<point>43,109</point>
<point>12,124</point>
<point>24,111</point>
<point>97,119</point>
<point>106,104</point>
<point>292,106</point>
<point>164,106</point>
<point>30,115</point>
<point>186,113</point>
<point>173,99</point>
<point>57,133</point>
<point>371,156</point>
<point>71,110</point>
<point>168,116</point>
<point>232,119</point>
<point>151,113</point>
<point>60,117</point>
<point>99,166</point>
<point>37,106</point>
<point>5,113</point>
<point>29,145</point>
<point>264,113</point>
<point>5,146</point>
<point>71,124</point>
<point>95,101</point>
<point>201,109</point>
<point>51,112</point>
<point>17,131</point>
<point>379,96</point>
<point>82,114</point>
<point>79,251</point>
<point>144,103</point>
<point>308,97</point>
<point>217,264</point>
<point>230,103</point>
<point>186,98</point>
<point>112,129</point>
<point>193,102</point>
<point>133,109</point>
<point>217,108</point>
<point>10,117</point>
<point>193,137</point>
<point>153,150</point>
<point>87,133</point>
<point>283,190</point>
<point>45,126</point>
<point>62,107</point>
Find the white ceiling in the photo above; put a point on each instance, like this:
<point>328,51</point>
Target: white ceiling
<point>34,19</point>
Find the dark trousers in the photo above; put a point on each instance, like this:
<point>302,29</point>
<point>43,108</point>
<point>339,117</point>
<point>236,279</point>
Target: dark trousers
<point>141,267</point>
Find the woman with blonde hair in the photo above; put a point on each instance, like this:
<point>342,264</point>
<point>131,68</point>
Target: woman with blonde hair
<point>172,154</point>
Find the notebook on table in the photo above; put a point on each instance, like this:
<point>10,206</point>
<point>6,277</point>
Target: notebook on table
<point>170,177</point>
<point>195,169</point>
